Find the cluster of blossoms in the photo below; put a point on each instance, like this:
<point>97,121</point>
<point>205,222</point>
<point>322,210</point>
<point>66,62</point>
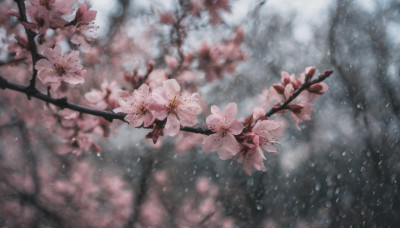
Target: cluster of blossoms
<point>300,109</point>
<point>200,207</point>
<point>166,109</point>
<point>51,14</point>
<point>248,140</point>
<point>165,103</point>
<point>164,99</point>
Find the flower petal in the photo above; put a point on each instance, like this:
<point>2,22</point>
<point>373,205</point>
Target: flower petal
<point>172,126</point>
<point>230,111</point>
<point>229,143</point>
<point>236,127</point>
<point>212,142</point>
<point>134,119</point>
<point>171,88</point>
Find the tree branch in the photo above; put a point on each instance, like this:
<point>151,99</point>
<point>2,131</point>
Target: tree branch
<point>110,116</point>
<point>31,40</point>
<point>303,87</point>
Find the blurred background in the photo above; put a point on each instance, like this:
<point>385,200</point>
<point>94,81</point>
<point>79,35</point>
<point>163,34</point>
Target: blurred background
<point>341,170</point>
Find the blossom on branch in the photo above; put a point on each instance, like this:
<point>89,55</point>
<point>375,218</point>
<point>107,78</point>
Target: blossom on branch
<point>106,98</point>
<point>55,10</point>
<point>57,68</point>
<point>259,135</point>
<point>167,102</point>
<point>83,26</point>
<point>137,107</point>
<point>300,112</point>
<point>225,127</point>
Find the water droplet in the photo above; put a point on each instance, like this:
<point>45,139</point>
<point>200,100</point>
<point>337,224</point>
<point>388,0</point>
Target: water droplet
<point>317,187</point>
<point>259,207</point>
<point>328,204</point>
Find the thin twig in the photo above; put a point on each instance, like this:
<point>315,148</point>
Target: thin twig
<point>12,62</point>
<point>31,40</point>
<point>303,87</point>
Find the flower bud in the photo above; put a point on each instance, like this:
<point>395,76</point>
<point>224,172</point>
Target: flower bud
<point>285,78</point>
<point>310,71</point>
<point>279,88</point>
<point>295,82</point>
<point>315,88</point>
<point>296,108</point>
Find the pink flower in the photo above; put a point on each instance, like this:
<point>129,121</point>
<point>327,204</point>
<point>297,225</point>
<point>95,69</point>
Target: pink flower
<point>261,137</point>
<point>253,158</point>
<point>156,78</point>
<point>40,19</point>
<point>300,112</point>
<point>266,132</point>
<point>106,97</point>
<point>269,98</point>
<point>166,102</point>
<point>225,127</point>
<point>83,26</point>
<point>58,68</point>
<point>258,113</point>
<point>137,107</point>
<point>55,10</point>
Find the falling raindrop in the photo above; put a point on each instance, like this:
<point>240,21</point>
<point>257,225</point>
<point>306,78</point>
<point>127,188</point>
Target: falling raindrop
<point>317,187</point>
<point>328,204</point>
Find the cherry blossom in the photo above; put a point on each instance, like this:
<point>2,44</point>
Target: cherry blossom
<point>266,132</point>
<point>137,107</point>
<point>221,58</point>
<point>225,127</point>
<point>40,19</point>
<point>261,137</point>
<point>167,102</point>
<point>55,10</point>
<point>269,98</point>
<point>253,158</point>
<point>213,7</point>
<point>106,97</point>
<point>57,68</point>
<point>83,26</point>
<point>300,112</point>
